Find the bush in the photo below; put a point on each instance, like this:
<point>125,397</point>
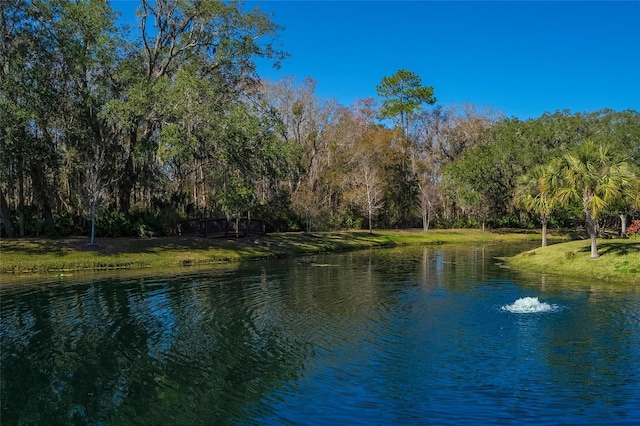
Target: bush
<point>146,222</point>
<point>506,221</point>
<point>457,223</point>
<point>64,224</point>
<point>139,222</point>
<point>634,228</point>
<point>112,223</point>
<point>33,221</point>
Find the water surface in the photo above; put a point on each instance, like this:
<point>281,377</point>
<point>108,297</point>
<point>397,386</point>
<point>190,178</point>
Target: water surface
<point>400,336</point>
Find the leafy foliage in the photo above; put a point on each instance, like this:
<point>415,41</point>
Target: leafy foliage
<point>172,121</point>
<point>404,95</point>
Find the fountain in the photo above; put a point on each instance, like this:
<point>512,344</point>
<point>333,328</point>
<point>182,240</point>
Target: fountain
<point>527,305</point>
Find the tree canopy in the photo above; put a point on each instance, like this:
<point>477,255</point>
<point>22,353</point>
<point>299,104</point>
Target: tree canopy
<point>136,131</point>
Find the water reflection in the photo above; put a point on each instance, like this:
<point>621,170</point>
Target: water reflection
<point>382,337</point>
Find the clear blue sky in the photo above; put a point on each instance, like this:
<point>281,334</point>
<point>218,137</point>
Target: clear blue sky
<point>522,58</point>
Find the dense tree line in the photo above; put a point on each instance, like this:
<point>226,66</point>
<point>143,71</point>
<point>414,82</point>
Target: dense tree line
<point>131,132</point>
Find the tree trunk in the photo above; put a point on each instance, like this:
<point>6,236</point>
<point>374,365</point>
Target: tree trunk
<point>425,222</point>
<point>426,229</point>
<point>93,222</point>
<point>126,185</point>
<point>592,230</point>
<point>128,176</point>
<point>6,217</point>
<point>594,247</point>
<point>544,232</point>
<point>623,225</point>
<point>41,193</point>
<point>20,200</point>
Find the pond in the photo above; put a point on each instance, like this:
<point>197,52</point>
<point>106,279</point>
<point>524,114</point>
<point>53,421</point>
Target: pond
<point>418,335</point>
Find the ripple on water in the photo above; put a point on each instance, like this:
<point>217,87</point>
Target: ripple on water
<point>437,339</point>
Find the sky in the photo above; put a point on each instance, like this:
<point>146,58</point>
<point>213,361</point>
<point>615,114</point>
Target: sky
<point>521,58</point>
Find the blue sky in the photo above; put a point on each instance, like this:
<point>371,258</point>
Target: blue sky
<point>521,58</point>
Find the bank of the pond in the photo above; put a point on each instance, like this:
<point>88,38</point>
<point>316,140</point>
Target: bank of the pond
<point>619,260</point>
<point>20,256</point>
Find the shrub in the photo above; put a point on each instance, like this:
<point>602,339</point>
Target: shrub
<point>112,223</point>
<point>146,222</point>
<point>33,221</point>
<point>64,223</point>
<point>634,228</point>
<point>456,223</point>
<point>506,221</point>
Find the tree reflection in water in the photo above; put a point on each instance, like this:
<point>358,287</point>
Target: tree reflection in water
<point>382,336</point>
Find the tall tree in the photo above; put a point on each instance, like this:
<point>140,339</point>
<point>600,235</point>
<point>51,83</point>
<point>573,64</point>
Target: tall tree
<point>366,164</point>
<point>59,57</point>
<point>213,41</point>
<point>593,175</point>
<point>32,97</point>
<point>403,95</point>
<point>5,216</point>
<point>308,122</point>
<point>535,194</point>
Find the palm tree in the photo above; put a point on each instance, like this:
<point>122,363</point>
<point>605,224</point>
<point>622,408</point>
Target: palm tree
<point>535,194</point>
<point>592,174</point>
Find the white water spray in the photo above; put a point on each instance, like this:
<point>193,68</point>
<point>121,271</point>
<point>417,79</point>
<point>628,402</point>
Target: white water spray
<point>528,305</point>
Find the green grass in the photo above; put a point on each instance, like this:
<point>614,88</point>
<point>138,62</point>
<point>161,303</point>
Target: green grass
<point>619,260</point>
<point>27,256</point>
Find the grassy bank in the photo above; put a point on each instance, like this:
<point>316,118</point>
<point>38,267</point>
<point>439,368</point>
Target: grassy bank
<point>619,260</point>
<point>20,256</point>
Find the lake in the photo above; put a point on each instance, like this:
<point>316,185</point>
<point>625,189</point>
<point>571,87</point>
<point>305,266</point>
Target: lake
<point>417,335</point>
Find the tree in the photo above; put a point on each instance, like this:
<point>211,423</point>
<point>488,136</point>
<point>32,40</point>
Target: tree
<point>429,197</point>
<point>401,193</point>
<point>99,177</point>
<point>535,194</point>
<point>591,174</point>
<point>59,58</point>
<point>480,182</point>
<point>440,137</point>
<point>32,100</point>
<point>462,127</point>
<point>403,95</point>
<point>366,163</point>
<point>309,123</point>
<point>5,216</point>
<point>368,184</point>
<point>212,42</point>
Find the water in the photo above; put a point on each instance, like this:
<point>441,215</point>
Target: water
<point>530,305</point>
<point>403,336</point>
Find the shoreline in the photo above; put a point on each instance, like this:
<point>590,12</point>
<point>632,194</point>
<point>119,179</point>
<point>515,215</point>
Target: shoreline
<point>619,260</point>
<point>32,255</point>
<point>31,258</point>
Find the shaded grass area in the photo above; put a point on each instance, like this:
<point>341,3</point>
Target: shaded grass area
<point>619,260</point>
<point>19,256</point>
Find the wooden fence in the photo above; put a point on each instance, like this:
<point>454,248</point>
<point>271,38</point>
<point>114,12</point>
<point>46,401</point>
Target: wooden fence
<point>221,227</point>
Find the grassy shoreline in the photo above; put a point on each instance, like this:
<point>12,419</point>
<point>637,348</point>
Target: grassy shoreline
<point>23,256</point>
<point>620,259</point>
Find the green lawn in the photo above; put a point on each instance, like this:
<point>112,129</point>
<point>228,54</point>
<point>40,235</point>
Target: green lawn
<point>74,254</point>
<point>619,260</point>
